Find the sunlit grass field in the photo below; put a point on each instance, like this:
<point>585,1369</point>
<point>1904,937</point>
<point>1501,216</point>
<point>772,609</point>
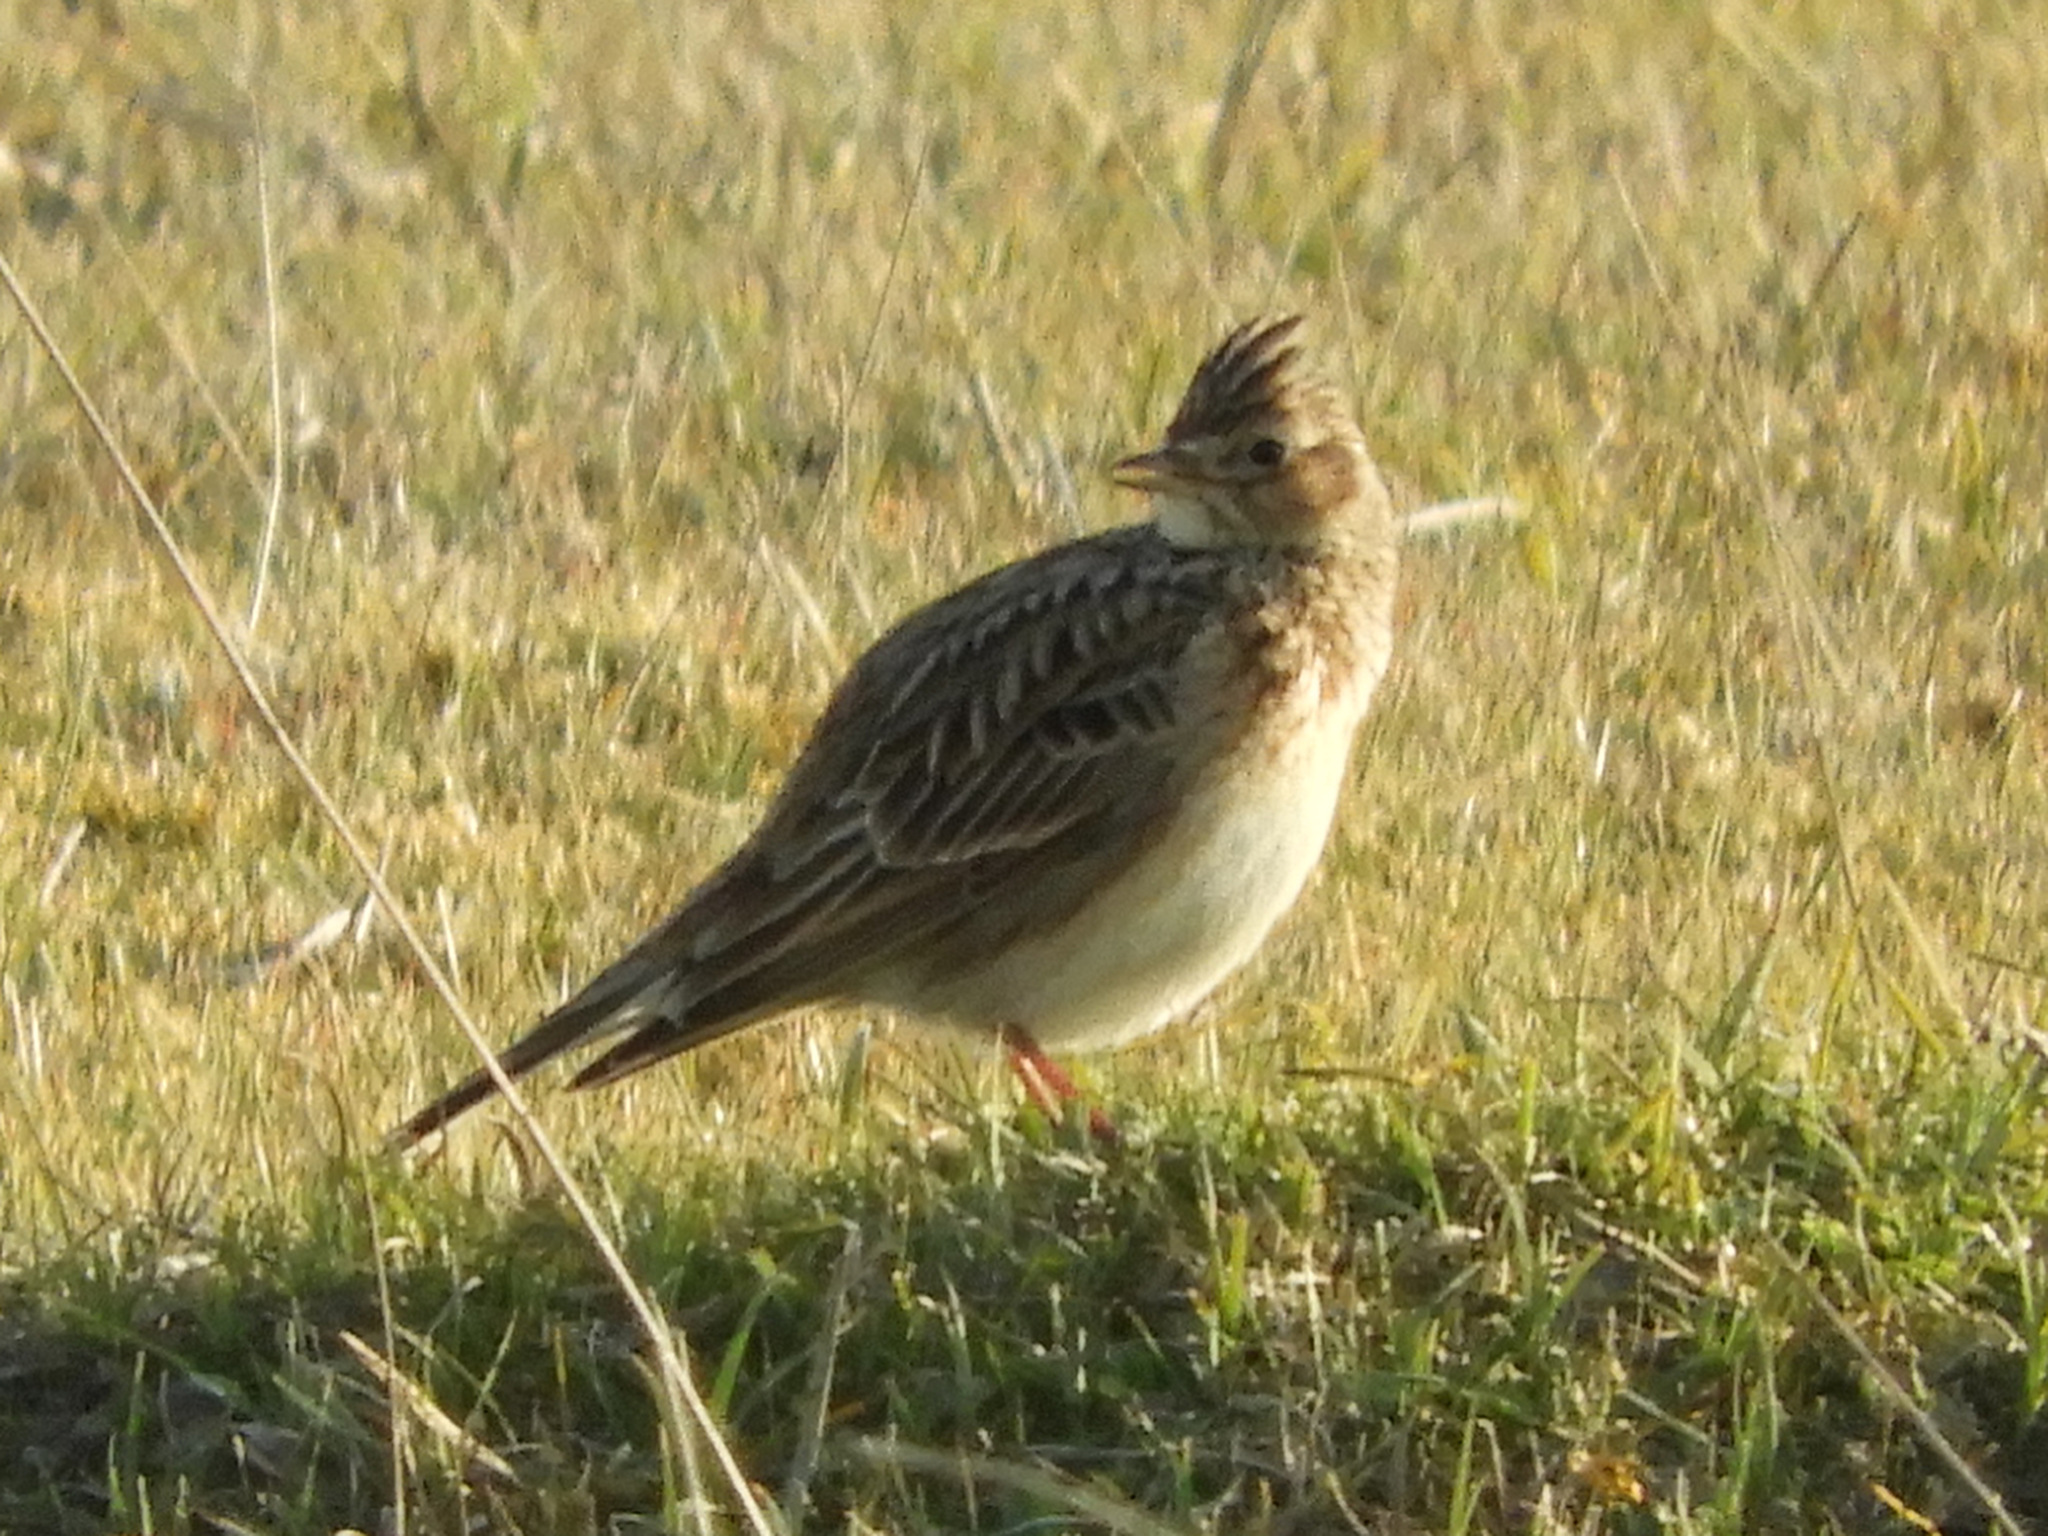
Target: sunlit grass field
<point>1638,1129</point>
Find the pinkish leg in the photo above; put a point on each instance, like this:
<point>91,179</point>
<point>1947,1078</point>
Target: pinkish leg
<point>1046,1081</point>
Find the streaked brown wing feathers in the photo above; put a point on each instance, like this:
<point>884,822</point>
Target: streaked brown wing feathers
<point>1025,729</point>
<point>1040,705</point>
<point>1039,713</point>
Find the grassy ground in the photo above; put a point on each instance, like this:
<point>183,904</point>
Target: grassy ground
<point>1639,1129</point>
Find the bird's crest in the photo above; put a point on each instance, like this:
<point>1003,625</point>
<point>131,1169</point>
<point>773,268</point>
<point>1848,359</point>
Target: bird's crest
<point>1255,373</point>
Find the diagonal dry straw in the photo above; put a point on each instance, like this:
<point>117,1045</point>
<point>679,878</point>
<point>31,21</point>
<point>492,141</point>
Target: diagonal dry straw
<point>683,1407</point>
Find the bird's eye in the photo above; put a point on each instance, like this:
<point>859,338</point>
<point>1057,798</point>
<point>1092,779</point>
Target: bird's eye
<point>1267,452</point>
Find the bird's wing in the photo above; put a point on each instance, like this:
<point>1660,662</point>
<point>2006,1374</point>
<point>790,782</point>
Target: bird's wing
<point>998,746</point>
<point>1028,710</point>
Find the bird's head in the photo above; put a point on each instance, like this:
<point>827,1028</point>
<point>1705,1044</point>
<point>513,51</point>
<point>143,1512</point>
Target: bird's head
<point>1261,451</point>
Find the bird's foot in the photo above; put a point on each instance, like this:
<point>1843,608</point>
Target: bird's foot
<point>1051,1089</point>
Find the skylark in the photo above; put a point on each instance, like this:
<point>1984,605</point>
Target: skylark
<point>1058,806</point>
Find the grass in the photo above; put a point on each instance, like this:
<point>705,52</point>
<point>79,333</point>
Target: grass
<point>1639,1129</point>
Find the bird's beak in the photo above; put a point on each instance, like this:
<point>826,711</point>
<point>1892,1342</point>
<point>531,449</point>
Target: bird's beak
<point>1164,469</point>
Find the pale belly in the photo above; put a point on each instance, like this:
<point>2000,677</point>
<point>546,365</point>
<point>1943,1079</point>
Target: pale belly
<point>1180,918</point>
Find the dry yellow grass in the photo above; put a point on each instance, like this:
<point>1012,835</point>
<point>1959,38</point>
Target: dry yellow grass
<point>634,367</point>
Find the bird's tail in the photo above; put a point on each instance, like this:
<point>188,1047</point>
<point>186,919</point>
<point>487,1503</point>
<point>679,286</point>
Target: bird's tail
<point>612,1000</point>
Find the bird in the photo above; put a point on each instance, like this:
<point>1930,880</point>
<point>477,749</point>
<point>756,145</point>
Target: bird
<point>1055,808</point>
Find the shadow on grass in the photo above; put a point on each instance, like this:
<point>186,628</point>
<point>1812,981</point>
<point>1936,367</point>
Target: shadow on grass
<point>1354,1320</point>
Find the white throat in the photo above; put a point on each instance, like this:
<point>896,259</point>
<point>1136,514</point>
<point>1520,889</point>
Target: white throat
<point>1187,522</point>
